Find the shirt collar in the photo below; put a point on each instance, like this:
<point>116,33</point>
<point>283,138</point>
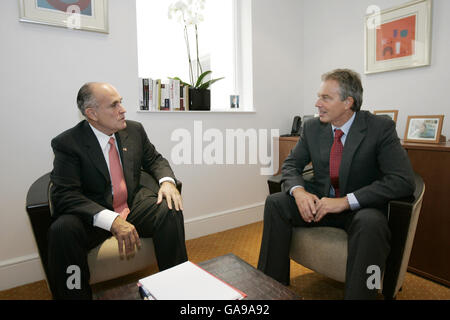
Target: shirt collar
<point>346,127</point>
<point>102,138</point>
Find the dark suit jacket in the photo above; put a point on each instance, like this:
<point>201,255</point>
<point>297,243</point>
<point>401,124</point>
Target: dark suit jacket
<point>374,165</point>
<point>80,176</point>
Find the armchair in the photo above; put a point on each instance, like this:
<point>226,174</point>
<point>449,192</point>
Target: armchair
<point>104,260</point>
<point>324,249</point>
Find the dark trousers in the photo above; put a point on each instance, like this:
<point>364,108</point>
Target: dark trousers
<point>368,242</point>
<point>70,240</point>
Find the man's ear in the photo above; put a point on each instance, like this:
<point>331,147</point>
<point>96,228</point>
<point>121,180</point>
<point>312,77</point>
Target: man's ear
<point>91,114</point>
<point>349,102</point>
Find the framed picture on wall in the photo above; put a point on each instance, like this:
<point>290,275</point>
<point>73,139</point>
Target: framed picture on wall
<point>390,113</point>
<point>424,129</point>
<point>90,15</point>
<point>398,38</point>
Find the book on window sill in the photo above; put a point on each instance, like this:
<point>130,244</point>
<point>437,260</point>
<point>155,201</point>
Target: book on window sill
<point>162,95</point>
<point>187,281</point>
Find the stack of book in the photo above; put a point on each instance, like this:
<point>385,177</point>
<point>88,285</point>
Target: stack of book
<point>165,95</point>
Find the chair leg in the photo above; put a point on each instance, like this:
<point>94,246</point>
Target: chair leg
<point>390,297</point>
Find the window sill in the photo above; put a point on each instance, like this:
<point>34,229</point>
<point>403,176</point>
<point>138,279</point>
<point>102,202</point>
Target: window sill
<point>196,111</point>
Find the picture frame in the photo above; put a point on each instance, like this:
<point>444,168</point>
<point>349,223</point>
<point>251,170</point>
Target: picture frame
<point>390,113</point>
<point>398,38</point>
<point>234,101</point>
<point>89,15</point>
<point>425,129</point>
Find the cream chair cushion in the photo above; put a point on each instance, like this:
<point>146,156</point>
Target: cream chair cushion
<point>105,263</point>
<point>321,249</point>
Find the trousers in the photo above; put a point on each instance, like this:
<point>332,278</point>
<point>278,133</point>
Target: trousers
<point>71,238</point>
<point>368,241</point>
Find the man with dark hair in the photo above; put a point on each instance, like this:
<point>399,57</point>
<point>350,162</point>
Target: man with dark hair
<point>96,192</point>
<point>359,166</point>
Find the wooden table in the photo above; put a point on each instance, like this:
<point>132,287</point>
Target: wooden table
<point>230,269</point>
<point>430,256</point>
<point>284,148</point>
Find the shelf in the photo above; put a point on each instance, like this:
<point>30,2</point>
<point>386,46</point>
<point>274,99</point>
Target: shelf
<point>196,111</point>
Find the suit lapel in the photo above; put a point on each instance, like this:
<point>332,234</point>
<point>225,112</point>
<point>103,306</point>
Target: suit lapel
<point>94,152</point>
<point>325,143</point>
<point>355,137</point>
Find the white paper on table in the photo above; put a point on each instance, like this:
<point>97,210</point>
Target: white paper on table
<point>187,281</point>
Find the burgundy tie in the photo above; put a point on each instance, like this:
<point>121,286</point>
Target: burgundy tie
<point>120,193</point>
<point>335,160</point>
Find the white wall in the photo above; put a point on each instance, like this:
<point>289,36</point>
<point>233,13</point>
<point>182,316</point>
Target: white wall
<point>334,38</point>
<point>42,68</point>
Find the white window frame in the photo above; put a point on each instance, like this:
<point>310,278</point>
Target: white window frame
<point>242,58</point>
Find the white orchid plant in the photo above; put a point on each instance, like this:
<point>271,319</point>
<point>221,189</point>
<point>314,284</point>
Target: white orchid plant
<point>189,13</point>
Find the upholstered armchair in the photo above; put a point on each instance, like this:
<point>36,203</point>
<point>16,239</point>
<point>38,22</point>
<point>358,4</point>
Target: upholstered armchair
<point>324,249</point>
<point>104,260</point>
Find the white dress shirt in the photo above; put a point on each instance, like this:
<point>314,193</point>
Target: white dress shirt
<point>105,218</point>
<point>353,202</point>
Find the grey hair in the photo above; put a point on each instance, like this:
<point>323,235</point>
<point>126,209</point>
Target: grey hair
<point>349,84</point>
<point>85,98</point>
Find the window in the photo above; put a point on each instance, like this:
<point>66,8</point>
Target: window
<point>224,47</point>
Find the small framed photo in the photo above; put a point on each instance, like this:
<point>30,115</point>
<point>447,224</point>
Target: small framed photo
<point>234,101</point>
<point>425,129</point>
<point>390,113</point>
<point>399,37</point>
<point>90,15</point>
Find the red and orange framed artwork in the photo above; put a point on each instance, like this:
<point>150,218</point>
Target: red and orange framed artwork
<point>398,38</point>
<point>90,15</point>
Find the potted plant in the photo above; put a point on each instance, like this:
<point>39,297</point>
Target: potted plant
<point>189,14</point>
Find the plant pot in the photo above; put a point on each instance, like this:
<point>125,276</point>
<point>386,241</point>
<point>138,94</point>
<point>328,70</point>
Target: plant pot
<point>199,99</point>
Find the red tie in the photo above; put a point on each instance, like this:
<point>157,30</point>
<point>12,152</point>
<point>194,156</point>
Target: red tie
<point>335,160</point>
<point>120,193</point>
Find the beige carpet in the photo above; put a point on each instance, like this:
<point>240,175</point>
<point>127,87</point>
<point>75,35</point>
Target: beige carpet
<point>244,242</point>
